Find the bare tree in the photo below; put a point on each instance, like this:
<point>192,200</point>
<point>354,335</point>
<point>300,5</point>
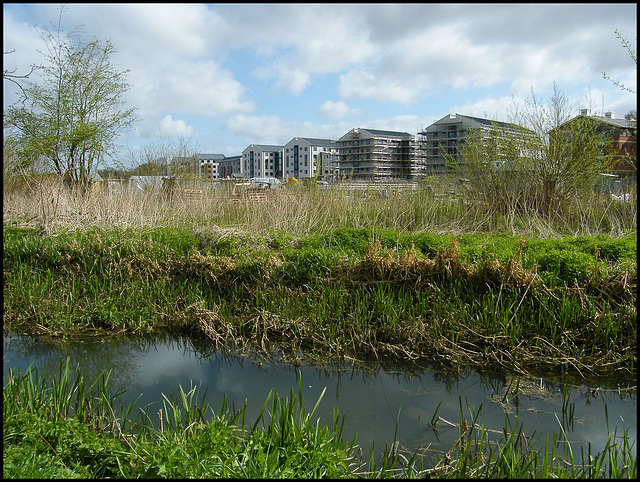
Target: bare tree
<point>632,54</point>
<point>11,76</point>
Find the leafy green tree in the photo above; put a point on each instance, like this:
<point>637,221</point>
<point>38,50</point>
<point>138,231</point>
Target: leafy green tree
<point>74,114</point>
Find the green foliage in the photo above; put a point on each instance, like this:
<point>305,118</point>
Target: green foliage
<point>45,436</point>
<point>401,298</point>
<point>302,266</point>
<point>428,244</point>
<point>351,240</point>
<point>73,117</point>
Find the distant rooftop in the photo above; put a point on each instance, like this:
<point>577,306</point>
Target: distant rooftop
<point>267,147</point>
<point>381,133</point>
<point>318,142</point>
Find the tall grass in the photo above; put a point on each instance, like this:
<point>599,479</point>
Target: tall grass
<point>306,210</point>
<point>61,424</point>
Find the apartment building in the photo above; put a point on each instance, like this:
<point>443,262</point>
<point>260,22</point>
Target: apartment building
<point>619,140</point>
<point>229,166</point>
<point>303,156</point>
<point>375,155</point>
<point>622,136</point>
<point>443,140</point>
<point>261,160</point>
<point>209,166</point>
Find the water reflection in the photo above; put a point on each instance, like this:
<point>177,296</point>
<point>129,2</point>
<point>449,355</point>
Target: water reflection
<point>371,398</point>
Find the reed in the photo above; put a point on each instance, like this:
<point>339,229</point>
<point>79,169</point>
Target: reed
<point>80,431</point>
<point>306,210</point>
<point>480,300</point>
<point>479,453</point>
<point>59,424</point>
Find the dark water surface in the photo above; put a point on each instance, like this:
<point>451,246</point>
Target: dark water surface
<point>371,399</point>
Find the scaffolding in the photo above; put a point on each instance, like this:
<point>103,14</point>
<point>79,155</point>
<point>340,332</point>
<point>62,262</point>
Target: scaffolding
<point>419,166</point>
<point>376,158</point>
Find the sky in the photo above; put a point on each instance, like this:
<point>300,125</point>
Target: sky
<point>219,77</point>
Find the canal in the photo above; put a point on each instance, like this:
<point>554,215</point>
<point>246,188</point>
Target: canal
<point>379,404</point>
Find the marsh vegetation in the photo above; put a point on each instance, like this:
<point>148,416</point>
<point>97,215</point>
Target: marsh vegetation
<point>409,277</point>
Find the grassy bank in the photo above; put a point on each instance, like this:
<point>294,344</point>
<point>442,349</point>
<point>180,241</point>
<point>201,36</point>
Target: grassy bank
<point>64,426</point>
<point>531,305</point>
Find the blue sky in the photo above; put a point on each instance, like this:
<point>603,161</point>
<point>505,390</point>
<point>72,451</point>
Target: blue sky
<point>223,76</point>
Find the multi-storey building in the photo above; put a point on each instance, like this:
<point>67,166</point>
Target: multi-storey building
<point>443,140</point>
<point>618,139</point>
<point>621,134</point>
<point>229,166</point>
<point>260,160</point>
<point>209,166</point>
<point>303,156</point>
<point>375,155</point>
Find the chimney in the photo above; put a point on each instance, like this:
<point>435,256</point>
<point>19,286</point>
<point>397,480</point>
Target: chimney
<point>584,112</point>
<point>610,115</point>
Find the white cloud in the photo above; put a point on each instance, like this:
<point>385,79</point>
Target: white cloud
<point>399,123</point>
<point>272,129</point>
<point>493,108</point>
<point>290,79</point>
<point>336,110</point>
<point>175,128</point>
<point>202,88</point>
<point>264,129</point>
<point>365,84</point>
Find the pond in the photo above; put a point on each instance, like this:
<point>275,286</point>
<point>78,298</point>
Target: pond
<point>374,401</point>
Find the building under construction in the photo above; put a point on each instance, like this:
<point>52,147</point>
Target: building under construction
<point>376,155</point>
<point>442,142</point>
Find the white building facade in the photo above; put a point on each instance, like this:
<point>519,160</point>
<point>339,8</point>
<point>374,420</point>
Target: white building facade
<point>303,156</point>
<point>209,166</point>
<point>260,160</point>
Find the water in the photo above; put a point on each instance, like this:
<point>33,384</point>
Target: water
<point>372,400</point>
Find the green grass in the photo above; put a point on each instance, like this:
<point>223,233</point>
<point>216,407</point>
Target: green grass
<point>484,300</point>
<point>57,426</point>
<point>61,425</point>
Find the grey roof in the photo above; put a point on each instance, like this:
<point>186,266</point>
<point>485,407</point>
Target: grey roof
<point>619,123</point>
<point>211,157</point>
<point>381,133</point>
<point>267,147</point>
<point>317,142</point>
<point>616,121</point>
<point>492,122</point>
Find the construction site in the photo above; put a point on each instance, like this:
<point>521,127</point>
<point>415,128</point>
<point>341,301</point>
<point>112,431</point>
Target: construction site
<point>378,156</point>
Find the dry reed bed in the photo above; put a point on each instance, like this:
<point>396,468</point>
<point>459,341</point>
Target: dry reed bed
<point>305,210</point>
